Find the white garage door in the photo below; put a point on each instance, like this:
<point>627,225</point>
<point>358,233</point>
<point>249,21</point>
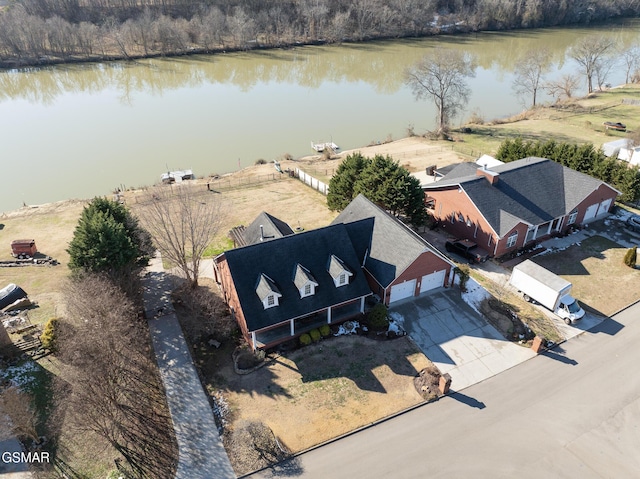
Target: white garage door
<point>604,207</point>
<point>402,291</point>
<point>432,281</point>
<point>591,212</point>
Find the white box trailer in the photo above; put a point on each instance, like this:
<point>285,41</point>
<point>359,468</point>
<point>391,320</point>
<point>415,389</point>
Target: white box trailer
<point>548,289</point>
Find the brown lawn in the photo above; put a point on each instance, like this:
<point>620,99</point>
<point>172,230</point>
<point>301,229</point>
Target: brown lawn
<point>323,390</point>
<point>600,279</point>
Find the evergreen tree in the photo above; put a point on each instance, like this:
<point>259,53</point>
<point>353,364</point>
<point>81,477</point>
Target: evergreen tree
<point>342,183</point>
<point>108,239</point>
<point>630,257</point>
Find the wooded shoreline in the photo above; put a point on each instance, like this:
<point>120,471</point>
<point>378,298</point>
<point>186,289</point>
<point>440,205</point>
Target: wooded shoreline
<point>40,33</point>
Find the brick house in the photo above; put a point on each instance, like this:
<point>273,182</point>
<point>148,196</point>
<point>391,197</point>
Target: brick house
<point>290,284</point>
<point>509,206</point>
<point>397,262</point>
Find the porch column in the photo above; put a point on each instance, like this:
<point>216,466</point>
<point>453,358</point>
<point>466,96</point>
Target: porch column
<point>549,228</point>
<point>253,339</point>
<point>329,315</point>
<point>362,304</point>
<point>293,332</point>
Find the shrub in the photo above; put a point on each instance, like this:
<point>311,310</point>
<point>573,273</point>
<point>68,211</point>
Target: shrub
<point>305,339</point>
<point>325,330</point>
<point>377,317</point>
<point>49,335</point>
<point>463,273</point>
<point>315,335</point>
<point>631,256</point>
<point>261,161</point>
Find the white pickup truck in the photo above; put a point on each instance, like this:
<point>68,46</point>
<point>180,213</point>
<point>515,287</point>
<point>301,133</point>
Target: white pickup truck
<point>548,289</point>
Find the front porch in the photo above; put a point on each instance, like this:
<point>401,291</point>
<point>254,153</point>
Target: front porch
<point>272,336</point>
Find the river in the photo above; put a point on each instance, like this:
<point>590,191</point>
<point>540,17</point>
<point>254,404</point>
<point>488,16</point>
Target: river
<point>76,131</point>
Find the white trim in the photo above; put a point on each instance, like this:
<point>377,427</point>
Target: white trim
<point>293,328</point>
<point>513,235</point>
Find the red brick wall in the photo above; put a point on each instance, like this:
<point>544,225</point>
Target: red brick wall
<point>448,202</point>
<point>231,296</point>
<point>598,196</point>
<point>424,264</point>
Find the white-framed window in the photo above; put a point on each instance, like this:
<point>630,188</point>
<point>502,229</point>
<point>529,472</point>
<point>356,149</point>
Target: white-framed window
<point>512,239</point>
<point>460,217</point>
<point>453,218</point>
<point>271,300</point>
<point>572,217</point>
<point>307,289</point>
<point>342,279</point>
<point>469,222</point>
<point>490,240</point>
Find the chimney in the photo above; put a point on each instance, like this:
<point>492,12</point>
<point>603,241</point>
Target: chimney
<point>491,176</point>
<point>261,233</point>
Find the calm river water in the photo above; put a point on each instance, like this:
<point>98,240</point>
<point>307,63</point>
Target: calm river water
<point>82,130</point>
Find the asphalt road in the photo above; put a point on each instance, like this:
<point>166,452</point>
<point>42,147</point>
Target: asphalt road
<point>572,412</point>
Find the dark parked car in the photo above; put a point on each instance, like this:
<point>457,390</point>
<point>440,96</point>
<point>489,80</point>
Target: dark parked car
<point>633,223</point>
<point>468,250</point>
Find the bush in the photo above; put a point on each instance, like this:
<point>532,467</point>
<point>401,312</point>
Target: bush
<point>305,339</point>
<point>463,272</point>
<point>315,335</point>
<point>377,317</point>
<point>50,335</point>
<point>261,161</point>
<point>631,256</point>
<point>325,330</point>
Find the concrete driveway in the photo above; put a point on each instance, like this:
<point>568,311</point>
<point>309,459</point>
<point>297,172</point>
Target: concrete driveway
<point>456,338</point>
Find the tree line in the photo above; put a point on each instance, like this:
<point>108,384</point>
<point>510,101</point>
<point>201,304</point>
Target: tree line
<point>48,31</point>
<point>583,158</point>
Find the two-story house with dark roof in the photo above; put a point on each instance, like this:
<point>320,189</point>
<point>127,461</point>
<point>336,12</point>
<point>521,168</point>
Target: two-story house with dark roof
<point>509,206</point>
<point>280,288</point>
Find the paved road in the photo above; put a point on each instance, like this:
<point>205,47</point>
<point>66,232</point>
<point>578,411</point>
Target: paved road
<point>573,412</point>
<point>201,454</point>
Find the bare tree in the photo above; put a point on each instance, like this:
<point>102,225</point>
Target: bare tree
<point>563,87</point>
<point>441,76</point>
<point>529,71</point>
<point>589,53</point>
<point>22,416</point>
<point>182,222</point>
<point>631,60</point>
<point>108,383</point>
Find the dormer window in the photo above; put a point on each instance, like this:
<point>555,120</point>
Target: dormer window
<point>304,281</point>
<point>339,271</point>
<point>267,291</point>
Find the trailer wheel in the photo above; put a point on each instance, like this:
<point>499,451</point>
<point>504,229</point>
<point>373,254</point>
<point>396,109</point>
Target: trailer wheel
<point>527,298</point>
<point>567,320</point>
<point>20,256</point>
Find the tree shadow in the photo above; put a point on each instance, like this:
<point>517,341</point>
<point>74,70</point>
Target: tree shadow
<point>569,261</point>
<point>291,467</point>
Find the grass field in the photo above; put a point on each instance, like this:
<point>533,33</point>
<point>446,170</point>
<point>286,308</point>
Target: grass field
<point>576,121</point>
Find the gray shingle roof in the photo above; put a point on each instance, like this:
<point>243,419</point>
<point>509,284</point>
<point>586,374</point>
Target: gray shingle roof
<point>531,190</point>
<point>278,258</point>
<point>272,228</point>
<point>388,245</point>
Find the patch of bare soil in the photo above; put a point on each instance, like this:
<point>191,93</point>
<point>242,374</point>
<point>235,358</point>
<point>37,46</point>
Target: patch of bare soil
<point>506,320</point>
<point>321,391</point>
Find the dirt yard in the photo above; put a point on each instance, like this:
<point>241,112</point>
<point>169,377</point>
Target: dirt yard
<point>323,390</point>
<point>601,281</point>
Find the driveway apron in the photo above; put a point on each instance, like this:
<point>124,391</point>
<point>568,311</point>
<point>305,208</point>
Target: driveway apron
<point>201,453</point>
<point>457,339</point>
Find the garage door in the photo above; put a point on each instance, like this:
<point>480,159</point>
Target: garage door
<point>591,212</point>
<point>432,281</point>
<point>604,207</point>
<point>402,291</point>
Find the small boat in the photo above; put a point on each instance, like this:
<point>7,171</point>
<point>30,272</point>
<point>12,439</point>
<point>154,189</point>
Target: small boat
<point>177,176</point>
<point>320,147</point>
<point>615,126</point>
